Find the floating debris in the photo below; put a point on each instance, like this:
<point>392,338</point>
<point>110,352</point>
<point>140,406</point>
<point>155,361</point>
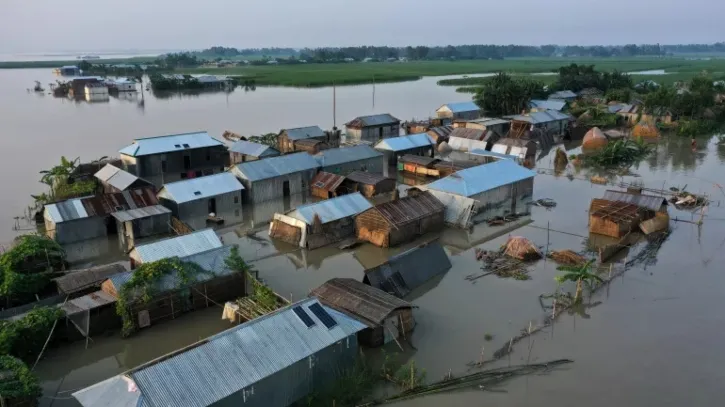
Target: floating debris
<point>521,248</point>
<point>498,263</point>
<point>596,179</point>
<point>567,257</point>
<point>545,202</point>
<point>685,199</point>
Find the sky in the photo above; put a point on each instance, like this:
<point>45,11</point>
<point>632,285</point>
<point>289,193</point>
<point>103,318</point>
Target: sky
<point>30,26</point>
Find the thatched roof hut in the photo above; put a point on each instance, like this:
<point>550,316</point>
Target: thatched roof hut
<point>594,138</point>
<point>645,129</point>
<point>521,248</point>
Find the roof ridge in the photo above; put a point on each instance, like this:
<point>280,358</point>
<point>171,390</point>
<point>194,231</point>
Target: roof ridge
<point>172,135</point>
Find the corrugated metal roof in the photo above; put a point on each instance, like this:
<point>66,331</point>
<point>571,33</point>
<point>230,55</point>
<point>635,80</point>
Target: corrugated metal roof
<point>403,143</point>
<point>65,211</point>
<point>337,156</point>
<point>464,144</point>
<point>551,104</point>
<point>109,393</point>
<point>488,121</point>
<point>563,94</point>
<point>631,109</point>
<point>237,358</point>
<point>327,181</point>
<point>200,188</point>
<point>540,117</point>
<point>87,302</point>
<point>106,204</point>
<point>170,143</point>
<point>650,202</point>
<point>372,120</point>
<point>275,166</point>
<point>332,209</point>
<point>410,208</point>
<point>300,133</point>
<point>442,131</point>
<point>253,149</point>
<point>77,280</point>
<point>460,107</point>
<point>494,154</point>
<point>180,246</point>
<point>419,160</point>
<point>140,213</point>
<point>115,177</point>
<point>473,134</point>
<point>368,178</point>
<point>474,180</point>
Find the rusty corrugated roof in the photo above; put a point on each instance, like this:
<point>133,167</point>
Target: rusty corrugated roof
<point>105,204</point>
<point>650,202</point>
<point>410,208</point>
<point>471,134</point>
<point>368,178</point>
<point>327,181</point>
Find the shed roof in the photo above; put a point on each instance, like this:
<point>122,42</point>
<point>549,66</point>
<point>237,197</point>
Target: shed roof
<point>493,154</point>
<point>460,107</point>
<point>115,177</point>
<point>180,246</point>
<point>77,280</point>
<point>465,144</point>
<point>372,120</point>
<point>106,204</point>
<point>545,116</point>
<point>109,393</point>
<point>300,133</point>
<point>410,208</point>
<point>337,156</point>
<point>369,304</point>
<point>488,121</point>
<point>200,188</point>
<point>275,166</point>
<point>140,213</point>
<point>403,143</point>
<point>237,358</point>
<point>419,160</point>
<point>170,143</point>
<point>87,302</point>
<point>368,178</point>
<point>332,209</point>
<point>441,131</point>
<point>650,202</point>
<point>253,149</point>
<point>308,142</point>
<point>563,94</point>
<point>551,104</point>
<point>65,211</point>
<point>409,269</point>
<point>472,134</point>
<point>472,181</point>
<point>327,181</point>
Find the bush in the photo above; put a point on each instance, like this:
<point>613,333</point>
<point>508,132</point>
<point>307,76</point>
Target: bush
<point>694,128</point>
<point>27,268</point>
<point>20,384</point>
<point>26,337</point>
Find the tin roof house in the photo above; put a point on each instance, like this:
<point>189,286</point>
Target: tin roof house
<point>460,110</point>
<point>326,185</point>
<point>243,151</point>
<point>114,179</point>
<point>549,122</point>
<point>563,95</point>
<point>276,177</point>
<point>164,159</point>
<point>194,200</point>
<point>272,361</point>
<point>345,160</point>
<point>466,140</point>
<point>372,129</point>
<point>414,144</point>
<point>179,246</point>
<point>307,139</point>
<point>537,105</point>
<point>319,224</point>
<point>69,222</point>
<point>134,225</point>
<point>369,184</point>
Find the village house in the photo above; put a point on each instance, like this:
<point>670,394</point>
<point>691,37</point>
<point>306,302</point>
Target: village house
<point>537,105</point>
<point>327,185</point>
<point>467,139</point>
<point>121,85</point>
<point>386,316</point>
<point>77,85</point>
<point>657,115</point>
<point>319,224</point>
<point>85,281</point>
<point>523,150</point>
<point>287,138</point>
<point>310,145</point>
<point>134,225</point>
<point>405,272</point>
<point>415,144</point>
<point>400,221</point>
<point>630,113</point>
<point>114,179</point>
<point>369,184</point>
<point>345,160</point>
<point>276,177</point>
<point>165,159</point>
<point>419,165</point>
<point>564,95</point>
<point>96,92</point>
<point>549,122</point>
<point>243,151</point>
<point>179,246</point>
<point>499,126</point>
<point>422,126</point>
<point>618,213</point>
<point>197,199</point>
<point>68,70</point>
<point>460,110</point>
<point>310,342</point>
<point>438,134</point>
<point>373,128</point>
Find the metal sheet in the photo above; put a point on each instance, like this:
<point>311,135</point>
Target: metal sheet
<point>170,143</point>
<point>332,209</point>
<point>461,107</point>
<point>275,166</point>
<point>180,246</point>
<point>403,143</point>
<point>141,213</point>
<point>200,188</point>
<point>253,149</point>
<point>651,202</point>
<point>65,211</point>
<point>300,133</point>
<point>337,156</point>
<point>372,120</point>
<point>485,177</point>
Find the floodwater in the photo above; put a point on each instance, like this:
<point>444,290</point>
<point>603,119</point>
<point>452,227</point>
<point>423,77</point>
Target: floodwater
<point>652,338</point>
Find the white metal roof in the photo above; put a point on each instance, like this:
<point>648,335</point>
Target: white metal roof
<point>65,211</point>
<point>180,246</point>
<point>466,144</point>
<point>140,213</point>
<point>170,143</point>
<point>275,166</point>
<point>342,155</point>
<point>472,181</point>
<point>551,104</point>
<point>199,188</point>
<point>332,209</point>
<point>403,143</point>
<point>115,177</point>
<point>253,149</point>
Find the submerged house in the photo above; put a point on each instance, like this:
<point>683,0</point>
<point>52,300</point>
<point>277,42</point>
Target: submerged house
<point>439,134</point>
<point>468,139</point>
<point>369,184</point>
<point>326,185</point>
<point>179,246</point>
<point>407,271</point>
<point>386,316</point>
<point>537,105</point>
<point>243,151</point>
<point>272,361</point>
<point>400,221</point>
<point>276,177</point>
<point>310,146</point>
<point>415,144</point>
<point>549,122</point>
<point>85,281</point>
<point>345,160</point>
<point>618,213</point>
<point>564,95</point>
<point>134,225</point>
<point>319,224</point>
<point>523,150</point>
<point>114,179</point>
<point>198,198</point>
<point>373,128</point>
<point>630,113</point>
<point>287,138</point>
<point>419,165</point>
<point>165,159</point>
<point>460,110</point>
<point>69,222</point>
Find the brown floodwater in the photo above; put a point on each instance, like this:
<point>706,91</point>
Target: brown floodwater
<point>652,338</point>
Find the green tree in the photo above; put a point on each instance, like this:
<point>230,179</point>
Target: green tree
<point>580,275</point>
<point>502,95</point>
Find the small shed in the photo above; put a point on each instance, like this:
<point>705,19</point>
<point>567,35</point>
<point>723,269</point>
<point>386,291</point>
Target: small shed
<point>179,246</point>
<point>415,144</point>
<point>319,224</point>
<point>276,177</point>
<point>86,281</point>
<point>287,138</point>
<point>135,224</point>
<point>197,198</point>
<point>69,222</point>
<point>310,145</point>
<point>465,139</point>
<point>326,185</point>
<point>523,150</point>
<point>243,151</point>
<point>460,110</point>
<point>116,180</point>
<point>345,160</point>
<point>386,316</point>
<point>373,128</point>
<point>439,134</point>
<point>369,184</point>
<point>407,271</point>
<point>418,165</point>
<point>550,122</point>
<point>402,220</point>
<point>619,213</point>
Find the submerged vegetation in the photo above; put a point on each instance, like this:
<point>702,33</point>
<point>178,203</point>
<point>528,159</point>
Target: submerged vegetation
<point>28,268</point>
<point>624,152</point>
<point>579,274</point>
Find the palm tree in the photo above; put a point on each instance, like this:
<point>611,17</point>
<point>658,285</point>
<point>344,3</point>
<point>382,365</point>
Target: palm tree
<point>578,274</point>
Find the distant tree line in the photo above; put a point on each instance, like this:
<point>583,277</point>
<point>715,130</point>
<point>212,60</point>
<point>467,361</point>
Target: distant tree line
<point>229,52</point>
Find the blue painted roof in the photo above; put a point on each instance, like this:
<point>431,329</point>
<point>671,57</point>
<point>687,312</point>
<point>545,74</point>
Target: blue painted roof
<point>275,166</point>
<point>460,107</point>
<point>300,133</point>
<point>372,120</point>
<point>472,181</point>
<point>332,209</point>
<point>180,246</point>
<point>199,188</point>
<point>403,143</point>
<point>336,156</point>
<point>487,153</point>
<point>237,358</point>
<point>540,117</point>
<point>551,104</point>
<point>253,149</point>
<point>170,143</point>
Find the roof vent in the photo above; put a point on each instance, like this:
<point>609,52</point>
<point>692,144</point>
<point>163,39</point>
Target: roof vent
<point>197,193</point>
<point>186,146</point>
<point>177,145</point>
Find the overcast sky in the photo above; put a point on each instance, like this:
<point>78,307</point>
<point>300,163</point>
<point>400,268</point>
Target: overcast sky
<point>48,26</point>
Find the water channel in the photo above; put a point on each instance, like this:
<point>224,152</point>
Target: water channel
<point>653,338</point>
